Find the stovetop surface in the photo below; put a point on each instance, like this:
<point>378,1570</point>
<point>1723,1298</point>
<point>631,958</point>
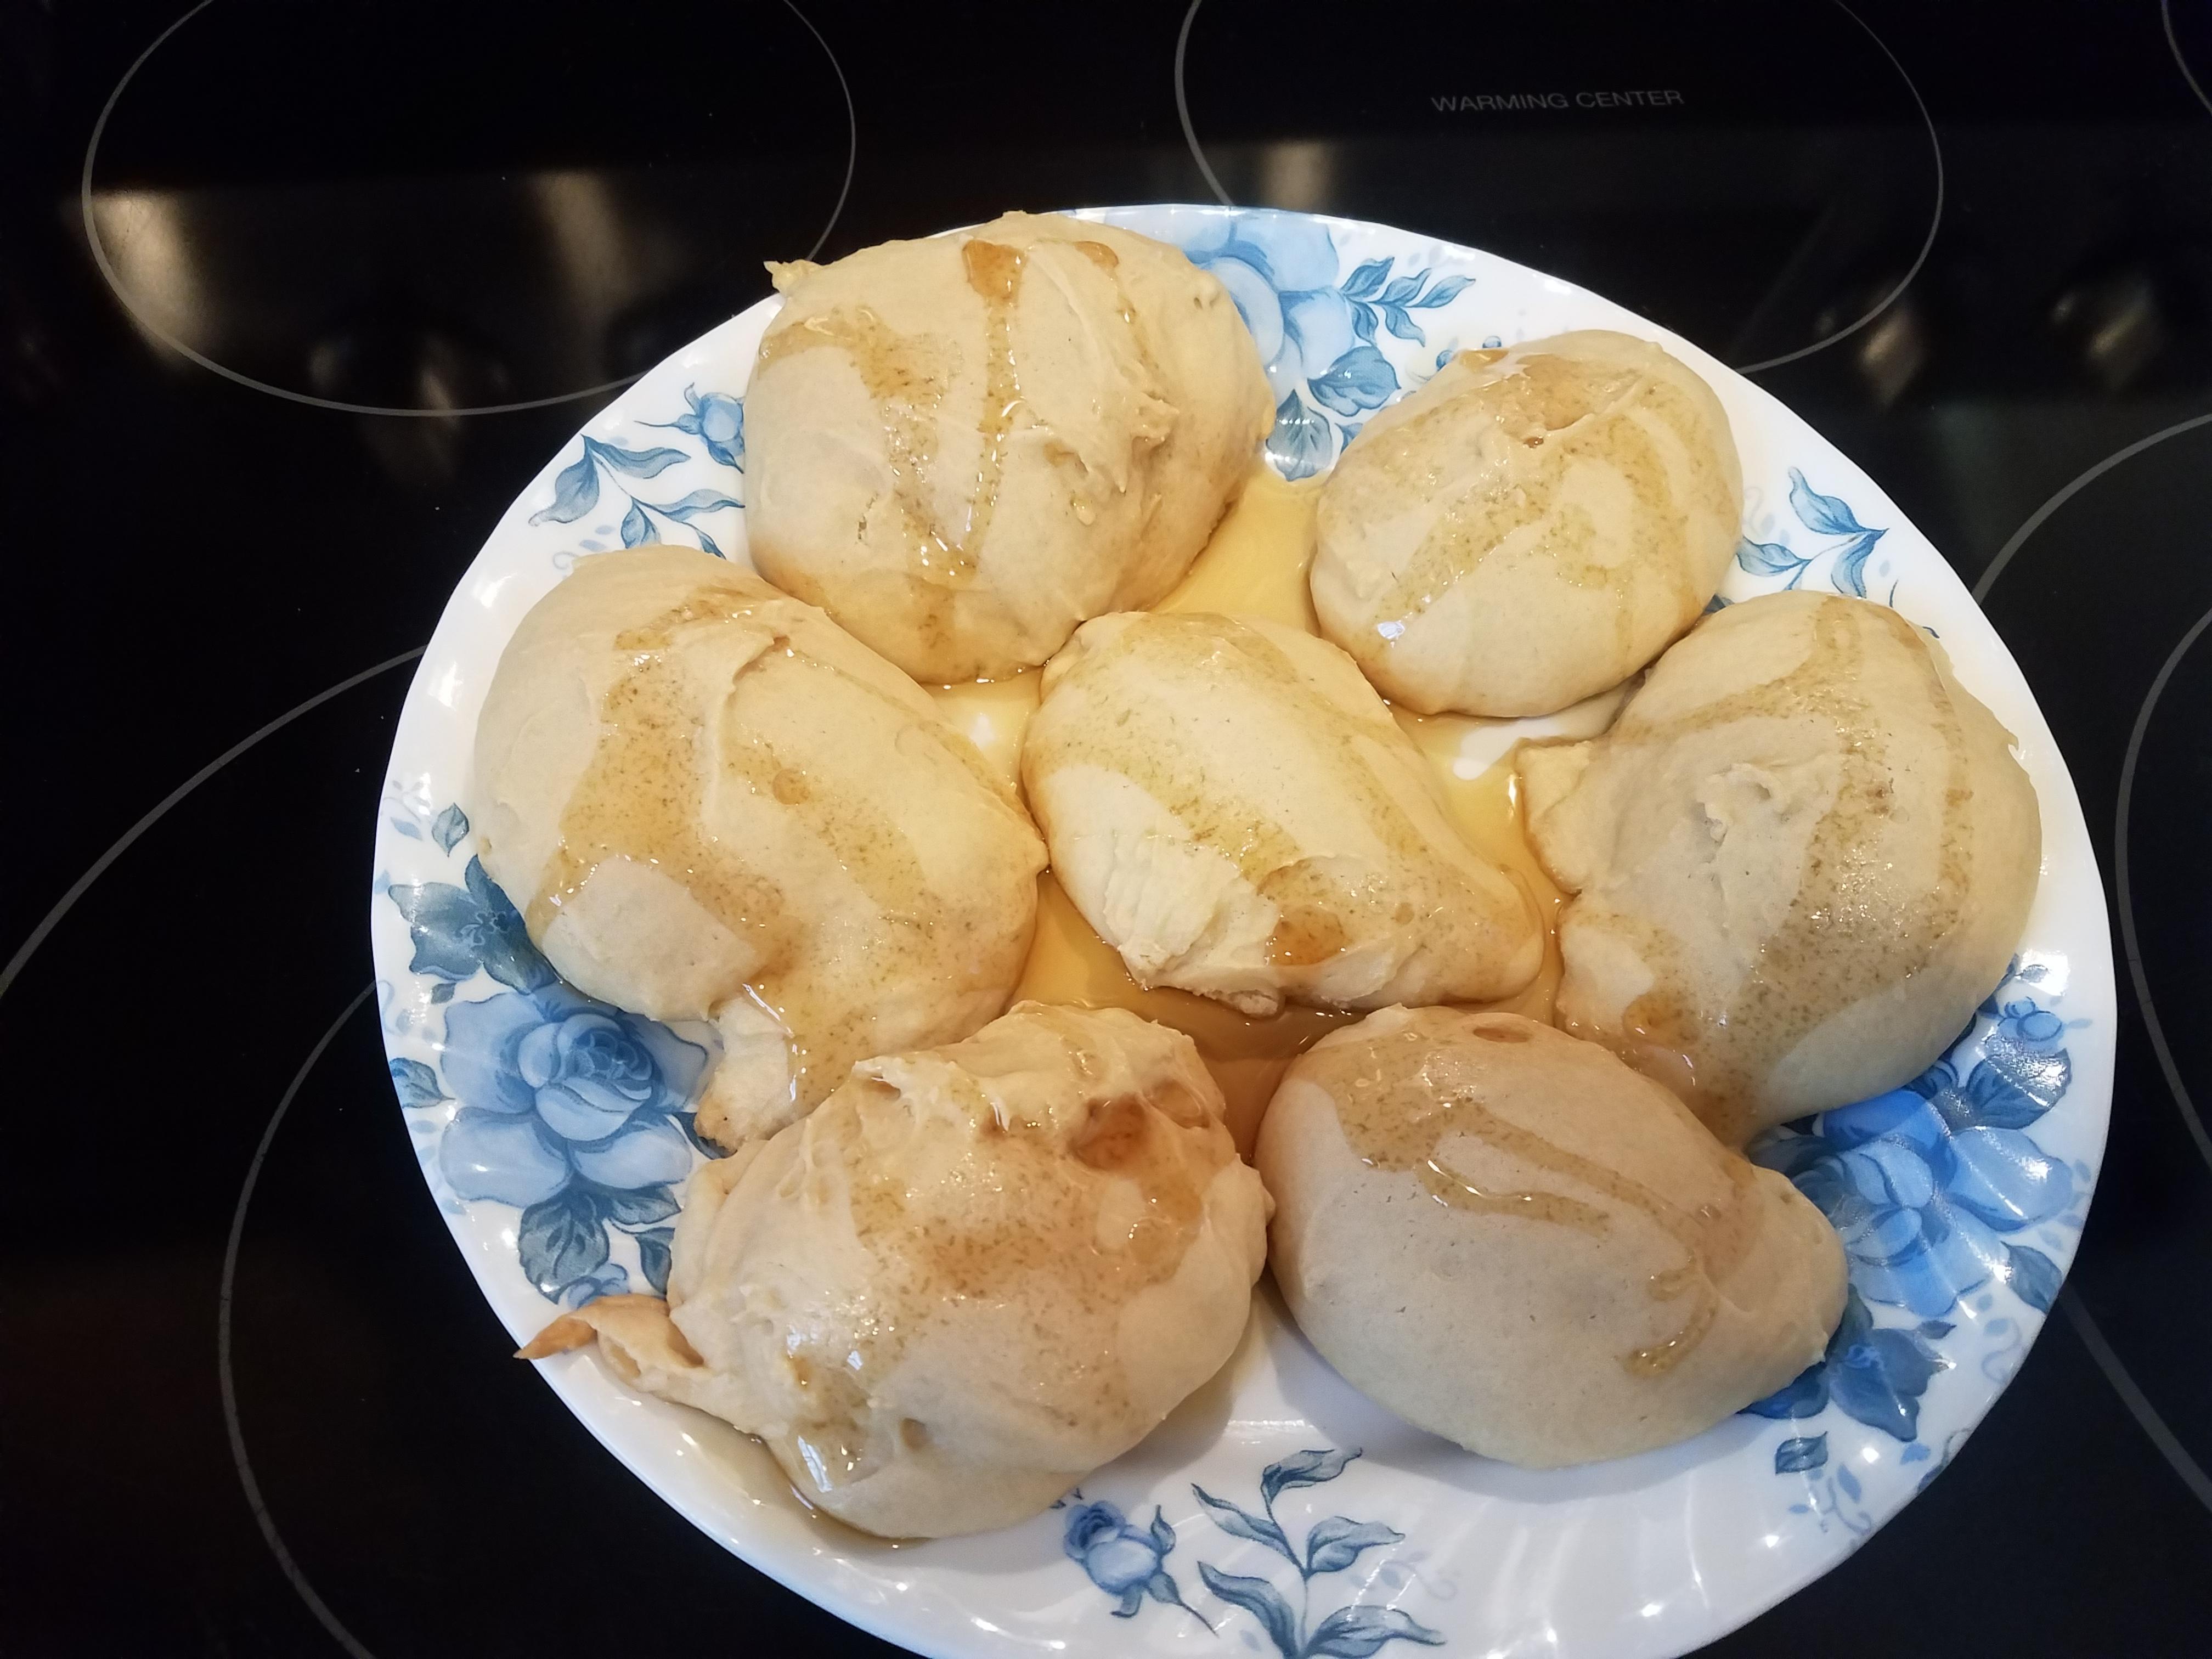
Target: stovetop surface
<point>293,299</point>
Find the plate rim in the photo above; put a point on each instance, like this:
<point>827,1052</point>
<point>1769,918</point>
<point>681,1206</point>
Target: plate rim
<point>571,1377</point>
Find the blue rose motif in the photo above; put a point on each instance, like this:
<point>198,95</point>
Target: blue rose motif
<point>1314,335</point>
<point>555,1086</point>
<point>718,420</point>
<point>1124,1560</point>
<point>1921,1182</point>
<point>1281,270</point>
<point>1923,1185</point>
<point>574,1112</point>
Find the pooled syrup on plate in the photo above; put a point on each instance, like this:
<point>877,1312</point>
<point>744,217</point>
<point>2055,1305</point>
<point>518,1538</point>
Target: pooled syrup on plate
<point>1256,565</point>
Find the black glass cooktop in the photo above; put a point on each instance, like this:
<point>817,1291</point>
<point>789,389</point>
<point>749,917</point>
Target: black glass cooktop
<point>293,298</point>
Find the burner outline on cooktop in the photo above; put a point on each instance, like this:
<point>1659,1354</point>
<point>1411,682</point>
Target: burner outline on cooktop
<point>1927,243</point>
<point>315,1604</point>
<point>144,320</point>
<point>2173,45</point>
<point>153,814</point>
<point>2147,1415</point>
<point>2129,947</point>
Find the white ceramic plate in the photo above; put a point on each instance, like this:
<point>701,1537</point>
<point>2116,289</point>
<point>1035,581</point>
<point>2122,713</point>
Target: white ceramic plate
<point>552,1130</point>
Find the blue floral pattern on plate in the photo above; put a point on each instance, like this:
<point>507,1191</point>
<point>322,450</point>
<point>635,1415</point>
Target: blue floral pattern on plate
<point>715,418</point>
<point>553,1129</point>
<point>1317,333</point>
<point>1926,1186</point>
<point>576,1113</point>
<point>1824,515</point>
<point>1128,1563</point>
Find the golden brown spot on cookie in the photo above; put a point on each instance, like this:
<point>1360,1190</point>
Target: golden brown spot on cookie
<point>1023,1230</point>
<point>994,271</point>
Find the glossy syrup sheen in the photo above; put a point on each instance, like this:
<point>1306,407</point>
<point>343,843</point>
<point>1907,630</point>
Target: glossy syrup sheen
<point>1033,1219</point>
<point>642,798</point>
<point>1838,943</point>
<point>1401,1096</point>
<point>1255,565</point>
<point>1574,417</point>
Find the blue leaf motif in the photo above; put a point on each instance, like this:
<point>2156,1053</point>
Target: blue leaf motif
<point>458,930</point>
<point>1363,280</point>
<point>1824,514</point>
<point>561,1240</point>
<point>1442,293</point>
<point>402,826</point>
<point>707,543</point>
<point>1361,380</point>
<point>1243,1523</point>
<point>654,1251</point>
<point>1336,1543</point>
<point>698,501</point>
<point>1305,1468</point>
<point>448,827</point>
<point>1766,558</point>
<point>1933,1329</point>
<point>1355,1632</point>
<point>1807,1395</point>
<point>1849,575</point>
<point>1363,322</point>
<point>1879,1380</point>
<point>1807,1452</point>
<point>638,462</point>
<point>416,1083</point>
<point>1299,444</point>
<point>1395,319</point>
<point>1262,1599</point>
<point>639,1206</point>
<point>2035,1277</point>
<point>1847,1481</point>
<point>637,528</point>
<point>576,491</point>
<point>1402,290</point>
<point>1162,1530</point>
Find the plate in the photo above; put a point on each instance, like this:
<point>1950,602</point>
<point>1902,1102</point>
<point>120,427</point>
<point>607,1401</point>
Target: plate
<point>1278,1511</point>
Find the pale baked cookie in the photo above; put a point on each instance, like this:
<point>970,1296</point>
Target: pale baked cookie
<point>1531,526</point>
<point>965,445</point>
<point>972,1276</point>
<point>710,802</point>
<point>1801,857</point>
<point>1234,809</point>
<point>1512,1240</point>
